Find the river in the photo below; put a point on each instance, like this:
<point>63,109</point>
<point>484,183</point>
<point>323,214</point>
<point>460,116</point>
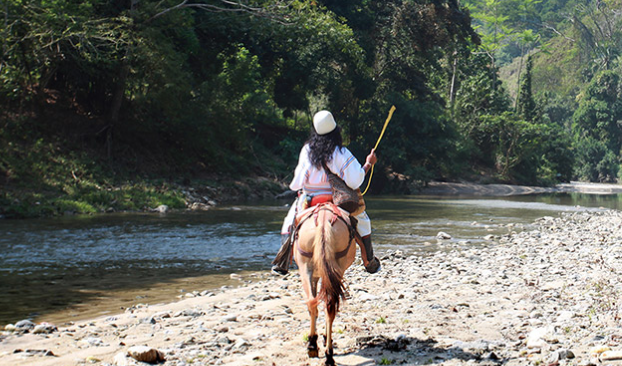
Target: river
<point>71,268</point>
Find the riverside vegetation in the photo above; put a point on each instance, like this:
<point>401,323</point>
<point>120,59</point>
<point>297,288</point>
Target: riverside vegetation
<point>544,294</point>
<point>116,105</point>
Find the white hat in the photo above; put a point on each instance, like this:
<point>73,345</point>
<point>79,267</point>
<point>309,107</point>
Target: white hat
<point>323,122</point>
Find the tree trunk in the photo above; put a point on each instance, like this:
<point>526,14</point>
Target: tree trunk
<point>520,68</point>
<point>4,36</point>
<point>453,85</point>
<point>119,92</point>
<point>117,100</point>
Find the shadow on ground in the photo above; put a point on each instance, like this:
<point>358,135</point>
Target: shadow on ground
<point>382,350</point>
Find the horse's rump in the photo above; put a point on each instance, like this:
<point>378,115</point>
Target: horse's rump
<point>325,246</point>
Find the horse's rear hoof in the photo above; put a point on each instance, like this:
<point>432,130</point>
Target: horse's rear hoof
<point>313,353</point>
<point>330,361</point>
<point>312,349</point>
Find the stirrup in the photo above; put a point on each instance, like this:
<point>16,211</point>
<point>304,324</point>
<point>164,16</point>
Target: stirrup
<point>280,271</point>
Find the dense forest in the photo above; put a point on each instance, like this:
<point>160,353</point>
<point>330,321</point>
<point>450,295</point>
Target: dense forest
<point>112,103</point>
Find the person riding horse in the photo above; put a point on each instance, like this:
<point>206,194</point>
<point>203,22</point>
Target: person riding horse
<point>325,146</point>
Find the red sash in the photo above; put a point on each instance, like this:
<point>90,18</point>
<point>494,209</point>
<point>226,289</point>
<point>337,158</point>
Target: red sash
<point>322,198</point>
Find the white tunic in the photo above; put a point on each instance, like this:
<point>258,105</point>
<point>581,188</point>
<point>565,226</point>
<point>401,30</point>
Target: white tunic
<point>314,181</point>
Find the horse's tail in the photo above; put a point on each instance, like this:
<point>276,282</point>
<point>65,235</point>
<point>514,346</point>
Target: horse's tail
<point>332,289</point>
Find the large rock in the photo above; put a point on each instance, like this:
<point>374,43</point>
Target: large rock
<point>146,354</point>
<point>45,328</point>
<point>24,325</point>
<point>611,355</point>
<point>162,209</point>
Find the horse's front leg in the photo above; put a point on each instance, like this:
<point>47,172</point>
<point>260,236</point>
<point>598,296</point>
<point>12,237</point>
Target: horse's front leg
<point>331,313</point>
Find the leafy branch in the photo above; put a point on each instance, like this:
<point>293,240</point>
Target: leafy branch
<point>269,12</point>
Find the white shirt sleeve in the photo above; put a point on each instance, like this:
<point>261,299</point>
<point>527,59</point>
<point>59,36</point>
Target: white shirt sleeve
<point>345,165</point>
<point>301,169</point>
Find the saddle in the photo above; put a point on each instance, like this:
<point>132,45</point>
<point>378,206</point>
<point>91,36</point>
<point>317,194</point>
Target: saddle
<point>338,214</point>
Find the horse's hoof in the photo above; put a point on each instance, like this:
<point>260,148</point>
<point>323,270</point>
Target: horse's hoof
<point>330,361</point>
<point>312,349</point>
<point>373,266</point>
<point>313,353</point>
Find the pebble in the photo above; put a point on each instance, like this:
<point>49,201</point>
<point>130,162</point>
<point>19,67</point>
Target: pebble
<point>93,341</point>
<point>92,359</point>
<point>189,312</point>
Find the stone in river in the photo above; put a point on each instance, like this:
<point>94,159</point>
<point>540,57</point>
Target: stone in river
<point>162,209</point>
<point>443,235</point>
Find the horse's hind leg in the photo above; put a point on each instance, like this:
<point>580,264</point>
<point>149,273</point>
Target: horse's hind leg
<point>331,313</point>
<point>312,348</point>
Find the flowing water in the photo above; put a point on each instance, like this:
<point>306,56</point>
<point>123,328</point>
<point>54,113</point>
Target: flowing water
<point>70,268</point>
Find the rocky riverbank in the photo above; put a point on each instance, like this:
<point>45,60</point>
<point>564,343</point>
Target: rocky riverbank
<point>496,190</point>
<point>544,297</point>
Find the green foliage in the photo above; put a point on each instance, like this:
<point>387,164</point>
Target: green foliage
<point>95,90</point>
<point>596,128</point>
<point>515,143</point>
<point>43,177</point>
<point>596,27</point>
<point>557,158</point>
<point>595,162</point>
<point>479,97</point>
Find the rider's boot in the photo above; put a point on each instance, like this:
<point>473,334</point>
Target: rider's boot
<point>283,257</point>
<point>374,263</point>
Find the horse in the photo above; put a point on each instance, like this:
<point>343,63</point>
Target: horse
<point>323,251</point>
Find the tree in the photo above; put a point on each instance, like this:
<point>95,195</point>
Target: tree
<point>479,97</point>
<point>406,57</point>
<point>597,126</point>
<point>492,26</point>
<point>597,28</point>
<point>525,105</point>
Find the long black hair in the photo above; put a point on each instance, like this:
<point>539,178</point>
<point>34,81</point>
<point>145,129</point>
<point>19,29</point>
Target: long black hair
<point>321,147</point>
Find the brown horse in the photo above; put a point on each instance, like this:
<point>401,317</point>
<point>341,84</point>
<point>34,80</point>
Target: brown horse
<point>323,251</point>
